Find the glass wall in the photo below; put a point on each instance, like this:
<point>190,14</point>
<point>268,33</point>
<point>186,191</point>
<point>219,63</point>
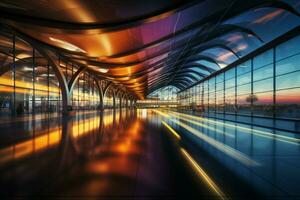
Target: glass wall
<point>85,93</point>
<point>28,84</point>
<point>108,99</point>
<point>267,85</point>
<point>166,97</point>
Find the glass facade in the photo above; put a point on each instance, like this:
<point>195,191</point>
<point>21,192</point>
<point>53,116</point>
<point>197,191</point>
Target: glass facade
<point>29,85</point>
<point>27,81</point>
<point>267,85</point>
<point>85,94</point>
<point>163,97</point>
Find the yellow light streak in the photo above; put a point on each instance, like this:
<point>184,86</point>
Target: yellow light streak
<point>210,183</point>
<point>282,138</point>
<point>161,113</point>
<point>237,155</point>
<point>233,153</point>
<point>205,126</point>
<point>171,130</point>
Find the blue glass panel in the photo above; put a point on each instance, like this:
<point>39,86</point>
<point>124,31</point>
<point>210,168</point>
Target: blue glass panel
<point>262,73</point>
<point>230,92</point>
<point>195,75</point>
<point>263,104</point>
<point>288,65</point>
<point>288,103</point>
<point>243,79</point>
<point>197,69</point>
<point>205,85</point>
<point>230,74</point>
<point>288,81</point>
<point>244,89</point>
<point>220,78</point>
<point>210,65</point>
<point>263,59</point>
<point>262,86</point>
<point>212,84</point>
<point>220,86</point>
<point>230,83</point>
<point>244,68</point>
<point>289,48</point>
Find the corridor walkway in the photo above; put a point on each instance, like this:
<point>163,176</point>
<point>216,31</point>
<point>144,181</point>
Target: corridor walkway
<point>145,154</point>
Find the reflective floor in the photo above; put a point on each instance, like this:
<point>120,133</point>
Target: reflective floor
<point>88,155</point>
<point>145,154</point>
<point>265,159</point>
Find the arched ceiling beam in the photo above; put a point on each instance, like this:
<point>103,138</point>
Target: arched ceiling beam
<point>222,30</point>
<point>147,71</point>
<point>182,83</point>
<point>185,73</point>
<point>281,5</point>
<point>9,15</point>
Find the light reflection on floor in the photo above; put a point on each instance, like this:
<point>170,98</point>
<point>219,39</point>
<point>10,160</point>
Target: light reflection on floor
<point>277,153</point>
<point>88,154</point>
<point>122,154</point>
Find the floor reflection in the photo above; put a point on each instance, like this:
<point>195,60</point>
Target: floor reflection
<point>266,159</point>
<point>87,154</point>
<point>145,153</point>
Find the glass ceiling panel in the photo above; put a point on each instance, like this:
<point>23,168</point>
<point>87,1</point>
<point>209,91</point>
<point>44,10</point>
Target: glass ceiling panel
<point>192,14</point>
<point>190,80</point>
<point>223,57</point>
<point>195,75</point>
<point>199,70</point>
<point>268,23</point>
<point>208,64</point>
<point>165,93</point>
<point>294,3</point>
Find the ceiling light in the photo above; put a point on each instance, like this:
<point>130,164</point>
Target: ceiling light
<point>99,69</point>
<point>27,69</point>
<point>102,70</point>
<point>45,75</point>
<point>67,45</point>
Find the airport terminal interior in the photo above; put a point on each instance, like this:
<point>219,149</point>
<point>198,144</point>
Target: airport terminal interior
<point>152,99</point>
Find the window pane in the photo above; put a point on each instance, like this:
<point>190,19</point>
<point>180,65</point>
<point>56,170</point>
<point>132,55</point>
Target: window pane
<point>220,78</point>
<point>288,103</point>
<point>243,79</point>
<point>244,89</point>
<point>263,104</point>
<point>6,99</point>
<point>230,83</point>
<point>230,92</point>
<point>288,65</point>
<point>6,77</point>
<point>211,84</point>
<point>262,86</point>
<point>244,68</point>
<point>288,81</point>
<point>263,73</point>
<point>244,104</point>
<point>220,86</point>
<point>230,74</point>
<point>263,59</point>
<point>288,48</point>
<point>229,103</point>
